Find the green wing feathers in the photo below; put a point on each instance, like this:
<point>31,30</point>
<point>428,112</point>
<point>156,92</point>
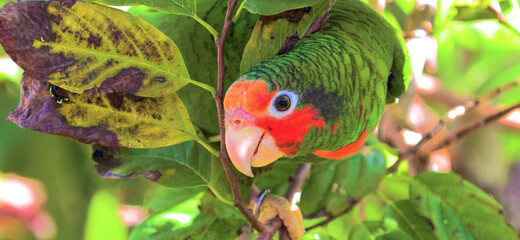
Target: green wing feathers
<point>347,71</point>
<point>401,71</point>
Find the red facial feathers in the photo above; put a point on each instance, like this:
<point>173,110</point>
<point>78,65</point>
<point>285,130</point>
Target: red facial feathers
<point>253,98</point>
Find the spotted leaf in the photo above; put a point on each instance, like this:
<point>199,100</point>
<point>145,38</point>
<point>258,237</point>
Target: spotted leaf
<point>114,119</point>
<point>91,49</point>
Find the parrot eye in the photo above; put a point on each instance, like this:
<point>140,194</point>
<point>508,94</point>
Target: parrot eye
<point>283,104</point>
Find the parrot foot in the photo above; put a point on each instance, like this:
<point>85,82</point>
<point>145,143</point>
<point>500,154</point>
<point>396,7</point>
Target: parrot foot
<point>275,206</point>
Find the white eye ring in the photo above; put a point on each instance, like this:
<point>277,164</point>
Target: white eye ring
<point>280,99</point>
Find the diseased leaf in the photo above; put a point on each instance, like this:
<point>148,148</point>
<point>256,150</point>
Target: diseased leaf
<point>198,49</point>
<point>457,209</point>
<point>272,32</point>
<point>271,7</point>
<point>114,119</point>
<point>336,184</point>
<point>180,7</point>
<point>91,49</point>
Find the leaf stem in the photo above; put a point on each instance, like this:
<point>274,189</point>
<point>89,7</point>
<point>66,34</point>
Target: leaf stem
<point>219,97</point>
<point>296,180</point>
<point>239,10</point>
<point>204,86</point>
<point>207,26</point>
<point>212,150</point>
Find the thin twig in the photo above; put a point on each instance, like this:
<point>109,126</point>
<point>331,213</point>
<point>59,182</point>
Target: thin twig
<point>296,181</point>
<point>272,227</point>
<point>470,128</point>
<point>352,202</point>
<point>224,158</point>
<point>321,213</point>
<point>494,6</point>
<point>470,105</point>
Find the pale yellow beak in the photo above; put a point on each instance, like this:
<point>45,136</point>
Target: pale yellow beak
<point>250,146</point>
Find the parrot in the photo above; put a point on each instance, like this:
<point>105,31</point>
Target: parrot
<point>323,96</point>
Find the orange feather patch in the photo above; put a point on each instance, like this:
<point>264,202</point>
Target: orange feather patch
<point>344,151</point>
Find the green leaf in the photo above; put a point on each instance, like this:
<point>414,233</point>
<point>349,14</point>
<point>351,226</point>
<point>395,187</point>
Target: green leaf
<point>91,49</point>
<point>219,183</point>
<point>212,205</point>
<point>180,7</point>
<point>178,222</point>
<point>181,165</point>
<point>2,3</point>
<point>375,230</point>
<point>274,177</point>
<point>271,32</point>
<point>103,221</point>
<point>187,164</point>
<point>194,216</point>
<point>406,6</point>
<point>335,184</point>
<point>271,7</point>
<point>222,229</point>
<point>198,49</point>
<point>366,230</point>
<point>170,197</point>
<point>465,48</point>
<point>402,216</point>
<point>317,233</point>
<point>396,186</point>
<point>457,209</point>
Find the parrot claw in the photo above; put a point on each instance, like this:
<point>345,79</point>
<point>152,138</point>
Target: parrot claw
<point>272,206</point>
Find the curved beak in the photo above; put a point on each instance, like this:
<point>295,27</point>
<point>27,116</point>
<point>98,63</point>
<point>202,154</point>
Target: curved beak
<point>250,146</point>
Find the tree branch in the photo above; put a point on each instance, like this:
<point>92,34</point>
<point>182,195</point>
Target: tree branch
<point>470,105</point>
<point>470,128</point>
<point>352,202</point>
<point>296,180</point>
<point>224,158</point>
<point>272,227</point>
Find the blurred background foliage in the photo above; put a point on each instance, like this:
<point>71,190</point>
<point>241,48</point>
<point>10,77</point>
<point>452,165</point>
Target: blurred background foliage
<point>460,50</point>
